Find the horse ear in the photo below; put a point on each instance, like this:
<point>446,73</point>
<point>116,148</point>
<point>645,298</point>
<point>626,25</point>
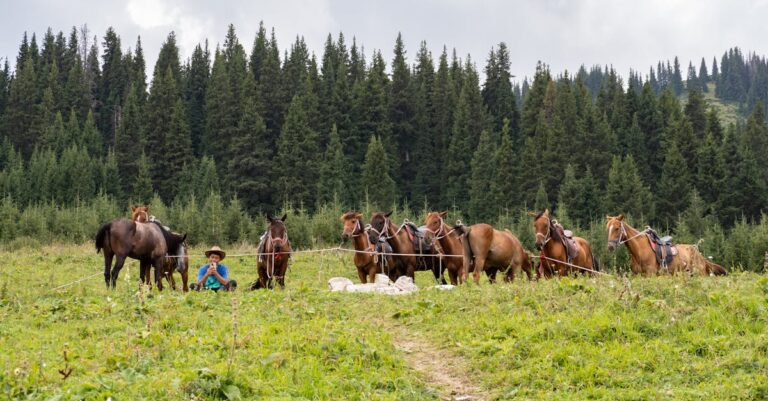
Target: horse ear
<point>545,212</point>
<point>443,214</point>
<point>285,216</point>
<point>133,208</point>
<point>621,217</point>
<point>388,214</point>
<point>359,216</point>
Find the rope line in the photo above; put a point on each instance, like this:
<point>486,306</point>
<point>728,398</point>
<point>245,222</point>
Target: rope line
<point>572,265</point>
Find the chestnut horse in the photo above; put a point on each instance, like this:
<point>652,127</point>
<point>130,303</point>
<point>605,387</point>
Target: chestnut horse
<point>491,250</point>
<point>449,245</point>
<point>366,261</point>
<point>643,257</point>
<point>275,251</point>
<point>550,241</point>
<point>146,242</point>
<point>140,214</point>
<point>406,264</point>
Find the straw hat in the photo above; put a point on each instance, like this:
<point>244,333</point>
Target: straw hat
<point>215,249</point>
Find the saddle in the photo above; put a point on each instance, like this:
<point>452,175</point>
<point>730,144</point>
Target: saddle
<point>663,247</point>
<point>416,234</point>
<point>571,247</point>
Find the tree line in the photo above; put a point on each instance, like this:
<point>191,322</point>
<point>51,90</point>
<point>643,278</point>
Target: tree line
<point>271,127</point>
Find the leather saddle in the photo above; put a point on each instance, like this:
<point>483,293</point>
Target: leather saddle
<point>664,248</point>
<point>571,247</point>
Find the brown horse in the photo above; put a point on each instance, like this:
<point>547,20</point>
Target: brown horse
<point>491,250</point>
<point>643,257</point>
<point>400,239</point>
<point>552,244</point>
<point>274,253</point>
<point>140,213</point>
<point>365,259</point>
<point>179,263</point>
<point>146,242</point>
<point>449,245</point>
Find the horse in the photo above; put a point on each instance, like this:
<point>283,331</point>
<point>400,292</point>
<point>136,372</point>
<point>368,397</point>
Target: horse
<point>365,260</point>
<point>643,256</point>
<point>491,250</point>
<point>552,242</point>
<point>274,252</point>
<point>448,245</point>
<point>406,263</point>
<point>146,242</point>
<point>140,213</point>
<point>179,263</point>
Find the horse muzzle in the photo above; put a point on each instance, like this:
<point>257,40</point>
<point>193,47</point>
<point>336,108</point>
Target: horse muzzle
<point>612,245</point>
<point>345,237</point>
<point>539,245</point>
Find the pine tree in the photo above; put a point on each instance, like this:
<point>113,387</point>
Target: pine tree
<point>402,111</point>
<point>297,155</point>
<point>130,138</point>
<point>756,138</point>
<point>711,173</point>
<point>625,192</point>
<point>249,160</point>
<point>482,206</point>
<point>376,182</point>
<point>497,90</point>
<point>503,185</point>
<point>677,79</point>
<point>112,86</point>
<point>142,191</point>
<point>41,173</point>
<point>331,185</point>
<point>674,187</point>
<point>541,201</point>
<point>704,77</point>
<point>177,151</point>
<point>219,123</point>
<point>21,117</point>
<point>110,180</point>
<point>90,138</point>
<point>198,76</point>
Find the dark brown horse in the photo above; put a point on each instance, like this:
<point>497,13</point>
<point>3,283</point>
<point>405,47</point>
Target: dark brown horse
<point>146,242</point>
<point>643,256</point>
<point>551,241</point>
<point>449,245</point>
<point>491,250</point>
<point>365,260</point>
<point>402,242</point>
<point>275,251</point>
<point>179,263</point>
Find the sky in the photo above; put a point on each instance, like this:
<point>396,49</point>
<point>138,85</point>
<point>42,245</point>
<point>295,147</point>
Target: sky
<point>561,33</point>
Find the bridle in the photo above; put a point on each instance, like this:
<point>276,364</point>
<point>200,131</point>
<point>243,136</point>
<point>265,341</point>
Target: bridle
<point>440,233</point>
<point>278,240</point>
<point>623,234</point>
<point>358,230</point>
<point>384,233</point>
<point>548,235</point>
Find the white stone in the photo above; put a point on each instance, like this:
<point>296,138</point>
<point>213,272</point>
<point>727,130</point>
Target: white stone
<point>336,284</point>
<point>382,279</point>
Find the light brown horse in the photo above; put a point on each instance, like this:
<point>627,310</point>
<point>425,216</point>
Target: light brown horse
<point>365,260</point>
<point>276,249</point>
<point>449,245</point>
<point>643,257</point>
<point>491,250</point>
<point>550,241</point>
<point>140,214</point>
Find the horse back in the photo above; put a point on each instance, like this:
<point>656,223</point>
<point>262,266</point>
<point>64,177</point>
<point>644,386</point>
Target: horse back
<point>148,240</point>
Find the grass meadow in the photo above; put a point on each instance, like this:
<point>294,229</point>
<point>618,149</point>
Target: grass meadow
<point>617,338</point>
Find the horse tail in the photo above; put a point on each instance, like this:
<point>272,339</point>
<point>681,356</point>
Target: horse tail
<point>714,268</point>
<point>467,249</point>
<point>101,236</point>
<point>595,263</point>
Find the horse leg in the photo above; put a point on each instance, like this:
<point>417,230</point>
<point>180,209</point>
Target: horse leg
<point>372,273</point>
<point>108,255</point>
<point>361,274</point>
<point>158,264</point>
<point>454,276</point>
<point>119,261</point>
<point>479,267</point>
<point>185,279</point>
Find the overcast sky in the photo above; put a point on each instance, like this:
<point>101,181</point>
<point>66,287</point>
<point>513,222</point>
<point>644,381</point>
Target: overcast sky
<point>564,34</point>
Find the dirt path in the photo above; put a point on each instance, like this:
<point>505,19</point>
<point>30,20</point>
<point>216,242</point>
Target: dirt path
<point>442,370</point>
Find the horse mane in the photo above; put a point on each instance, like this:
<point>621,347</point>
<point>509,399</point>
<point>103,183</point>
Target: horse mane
<point>541,213</point>
<point>172,240</point>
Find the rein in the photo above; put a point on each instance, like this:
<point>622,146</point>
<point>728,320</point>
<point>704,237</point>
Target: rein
<point>548,236</point>
<point>623,233</point>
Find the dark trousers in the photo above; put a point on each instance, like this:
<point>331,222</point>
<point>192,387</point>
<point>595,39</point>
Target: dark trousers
<point>231,286</point>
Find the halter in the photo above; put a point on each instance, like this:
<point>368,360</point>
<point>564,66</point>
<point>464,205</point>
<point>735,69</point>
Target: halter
<point>282,240</point>
<point>358,229</point>
<point>623,234</point>
<point>440,233</point>
<point>548,236</point>
<point>384,233</point>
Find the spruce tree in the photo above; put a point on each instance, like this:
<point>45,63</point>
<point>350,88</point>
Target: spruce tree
<point>502,187</point>
<point>130,140</point>
<point>112,86</point>
<point>482,206</point>
<point>376,182</point>
<point>711,172</point>
<point>198,75</point>
<point>142,188</point>
<point>541,201</point>
<point>297,156</point>
<point>625,191</point>
<point>333,172</point>
<point>674,186</point>
<point>21,116</point>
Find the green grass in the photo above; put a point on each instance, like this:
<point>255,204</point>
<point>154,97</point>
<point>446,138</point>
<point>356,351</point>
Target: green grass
<point>585,338</point>
<point>727,111</point>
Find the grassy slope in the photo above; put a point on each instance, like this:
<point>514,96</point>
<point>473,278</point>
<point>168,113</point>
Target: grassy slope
<point>660,338</point>
<point>727,111</point>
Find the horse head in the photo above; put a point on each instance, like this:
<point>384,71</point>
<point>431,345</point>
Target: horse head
<point>140,213</point>
<point>379,229</point>
<point>616,231</point>
<point>434,224</point>
<point>542,224</point>
<point>276,233</point>
<point>353,225</point>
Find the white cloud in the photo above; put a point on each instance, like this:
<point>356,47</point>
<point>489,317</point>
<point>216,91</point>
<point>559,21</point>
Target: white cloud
<point>149,14</point>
